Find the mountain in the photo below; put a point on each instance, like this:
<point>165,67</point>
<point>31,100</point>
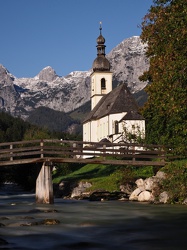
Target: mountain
<point>128,62</point>
<point>49,90</point>
<point>10,99</point>
<point>22,96</point>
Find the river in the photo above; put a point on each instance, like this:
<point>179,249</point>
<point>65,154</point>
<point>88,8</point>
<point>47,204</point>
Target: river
<point>106,225</point>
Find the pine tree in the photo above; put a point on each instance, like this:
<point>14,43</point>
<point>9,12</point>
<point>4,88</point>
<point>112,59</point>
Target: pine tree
<point>164,29</point>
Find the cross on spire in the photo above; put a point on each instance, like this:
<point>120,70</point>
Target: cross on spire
<point>100,27</point>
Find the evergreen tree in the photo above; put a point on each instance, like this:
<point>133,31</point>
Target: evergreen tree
<point>11,128</point>
<point>164,29</point>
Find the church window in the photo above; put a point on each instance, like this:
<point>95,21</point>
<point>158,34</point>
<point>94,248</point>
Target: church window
<point>116,127</point>
<point>103,83</point>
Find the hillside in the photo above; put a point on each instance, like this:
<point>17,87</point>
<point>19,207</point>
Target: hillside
<point>53,120</point>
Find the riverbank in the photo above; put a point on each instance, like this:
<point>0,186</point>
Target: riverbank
<point>168,185</point>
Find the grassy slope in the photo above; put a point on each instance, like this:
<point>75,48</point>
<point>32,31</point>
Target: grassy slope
<point>106,177</point>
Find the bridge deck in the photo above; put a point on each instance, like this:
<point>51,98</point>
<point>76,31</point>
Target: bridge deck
<point>58,151</point>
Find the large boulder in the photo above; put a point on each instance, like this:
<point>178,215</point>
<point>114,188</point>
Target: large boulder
<point>161,175</point>
<point>185,202</point>
<point>164,197</point>
<point>150,183</point>
<point>149,188</point>
<point>145,196</point>
<point>134,195</point>
<point>140,184</point>
<point>79,191</point>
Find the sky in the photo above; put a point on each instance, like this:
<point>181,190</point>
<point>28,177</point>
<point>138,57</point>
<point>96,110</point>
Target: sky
<point>62,33</point>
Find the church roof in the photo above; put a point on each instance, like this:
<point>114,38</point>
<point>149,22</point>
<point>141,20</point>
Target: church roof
<point>132,115</point>
<point>101,63</point>
<point>117,101</point>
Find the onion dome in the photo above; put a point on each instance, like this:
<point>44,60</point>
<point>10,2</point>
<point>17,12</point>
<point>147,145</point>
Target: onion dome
<point>100,39</point>
<point>101,63</point>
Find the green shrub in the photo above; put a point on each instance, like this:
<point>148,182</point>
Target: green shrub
<point>176,182</point>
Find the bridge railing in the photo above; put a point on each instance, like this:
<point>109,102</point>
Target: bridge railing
<point>55,150</point>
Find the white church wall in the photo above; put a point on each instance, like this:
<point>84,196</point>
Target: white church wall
<point>94,131</point>
<point>102,128</point>
<point>134,126</point>
<point>86,131</point>
<point>105,126</point>
<point>90,132</point>
<point>127,128</point>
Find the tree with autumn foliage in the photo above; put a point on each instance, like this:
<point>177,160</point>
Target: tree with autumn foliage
<point>164,29</point>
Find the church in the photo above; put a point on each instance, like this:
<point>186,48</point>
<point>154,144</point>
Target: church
<point>114,115</point>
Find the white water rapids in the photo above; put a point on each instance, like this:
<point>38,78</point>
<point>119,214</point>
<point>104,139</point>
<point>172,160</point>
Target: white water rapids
<point>106,225</point>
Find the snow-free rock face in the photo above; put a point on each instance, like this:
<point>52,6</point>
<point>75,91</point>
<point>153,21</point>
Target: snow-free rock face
<point>128,62</point>
<point>67,93</point>
<point>9,97</point>
<point>47,74</point>
<point>5,76</point>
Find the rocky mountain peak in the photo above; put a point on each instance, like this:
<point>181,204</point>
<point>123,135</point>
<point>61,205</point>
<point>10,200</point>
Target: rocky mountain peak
<point>128,61</point>
<point>9,97</point>
<point>20,96</point>
<point>5,76</point>
<point>47,74</point>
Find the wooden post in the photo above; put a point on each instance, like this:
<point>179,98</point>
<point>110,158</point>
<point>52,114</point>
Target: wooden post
<point>74,146</point>
<point>163,154</point>
<point>44,186</point>
<point>133,155</point>
<point>11,147</point>
<point>104,151</point>
<point>41,148</point>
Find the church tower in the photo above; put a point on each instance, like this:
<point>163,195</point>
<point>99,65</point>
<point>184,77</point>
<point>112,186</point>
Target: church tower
<point>101,77</point>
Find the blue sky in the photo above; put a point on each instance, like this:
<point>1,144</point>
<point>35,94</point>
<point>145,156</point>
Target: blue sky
<point>62,33</point>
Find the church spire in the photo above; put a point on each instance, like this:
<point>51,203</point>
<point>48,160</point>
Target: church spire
<point>101,63</point>
<point>100,42</point>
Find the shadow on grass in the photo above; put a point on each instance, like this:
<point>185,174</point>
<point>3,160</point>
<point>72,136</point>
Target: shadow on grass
<point>91,171</point>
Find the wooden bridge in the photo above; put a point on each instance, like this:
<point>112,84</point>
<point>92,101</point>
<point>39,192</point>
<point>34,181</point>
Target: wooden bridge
<point>50,151</point>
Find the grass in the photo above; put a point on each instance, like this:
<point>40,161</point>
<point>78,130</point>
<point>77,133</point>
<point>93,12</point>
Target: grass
<point>105,177</point>
<point>110,177</point>
<point>88,171</point>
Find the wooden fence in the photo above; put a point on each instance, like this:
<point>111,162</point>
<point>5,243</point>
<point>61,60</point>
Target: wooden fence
<point>58,151</point>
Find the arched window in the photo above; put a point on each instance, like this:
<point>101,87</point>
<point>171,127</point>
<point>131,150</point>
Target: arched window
<point>103,83</point>
<point>116,127</point>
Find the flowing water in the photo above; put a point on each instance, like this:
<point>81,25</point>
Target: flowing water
<point>90,225</point>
